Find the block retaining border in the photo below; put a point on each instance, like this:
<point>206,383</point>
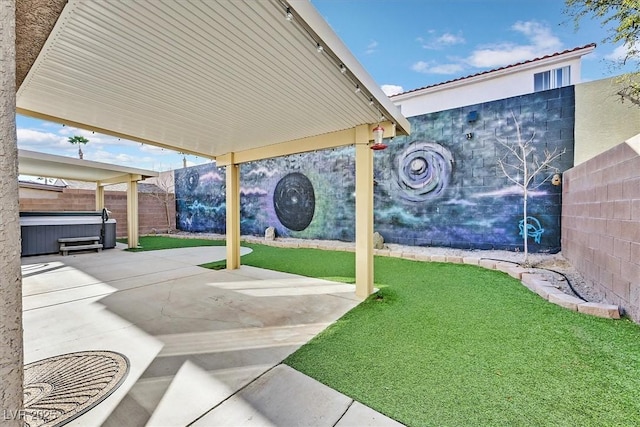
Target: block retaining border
<point>532,281</point>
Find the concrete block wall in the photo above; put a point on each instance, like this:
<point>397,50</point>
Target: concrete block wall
<point>436,187</point>
<point>151,211</point>
<point>479,207</point>
<point>601,223</point>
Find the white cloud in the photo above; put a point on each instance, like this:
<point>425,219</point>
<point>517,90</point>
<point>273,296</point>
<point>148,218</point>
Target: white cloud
<point>429,68</point>
<point>620,53</point>
<point>541,42</point>
<point>391,90</point>
<point>420,67</point>
<point>71,131</point>
<point>36,137</point>
<point>372,47</point>
<point>446,69</point>
<point>58,139</point>
<point>539,34</point>
<point>99,155</point>
<point>155,151</point>
<point>151,162</point>
<point>52,138</point>
<point>442,41</point>
<point>499,55</point>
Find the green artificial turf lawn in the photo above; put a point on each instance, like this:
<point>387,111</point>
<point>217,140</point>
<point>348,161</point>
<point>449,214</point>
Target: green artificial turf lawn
<point>459,345</point>
<point>153,243</point>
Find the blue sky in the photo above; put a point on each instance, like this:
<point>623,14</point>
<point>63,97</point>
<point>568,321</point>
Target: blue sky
<point>404,45</point>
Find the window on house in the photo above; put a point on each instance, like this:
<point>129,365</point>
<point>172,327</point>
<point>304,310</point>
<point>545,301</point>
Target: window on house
<point>552,79</point>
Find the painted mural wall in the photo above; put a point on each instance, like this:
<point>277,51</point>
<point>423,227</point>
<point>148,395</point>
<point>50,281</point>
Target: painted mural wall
<point>440,186</point>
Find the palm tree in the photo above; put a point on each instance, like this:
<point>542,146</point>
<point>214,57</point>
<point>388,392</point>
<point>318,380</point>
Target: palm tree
<point>76,139</point>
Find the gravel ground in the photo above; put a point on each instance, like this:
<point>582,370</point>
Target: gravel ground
<point>554,267</point>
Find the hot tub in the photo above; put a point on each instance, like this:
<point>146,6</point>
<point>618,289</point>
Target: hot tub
<point>41,230</point>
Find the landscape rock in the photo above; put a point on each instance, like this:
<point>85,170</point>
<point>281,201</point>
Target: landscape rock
<point>566,301</point>
<point>378,241</point>
<point>270,233</point>
<point>545,291</point>
<point>487,263</point>
<point>608,311</point>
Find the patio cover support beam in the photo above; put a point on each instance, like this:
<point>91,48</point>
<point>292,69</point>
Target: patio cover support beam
<point>123,178</point>
<point>320,142</point>
<point>233,211</point>
<point>132,212</point>
<point>364,213</point>
<point>99,196</point>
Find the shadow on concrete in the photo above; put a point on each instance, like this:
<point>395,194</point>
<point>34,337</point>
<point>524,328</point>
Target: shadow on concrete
<point>202,344</point>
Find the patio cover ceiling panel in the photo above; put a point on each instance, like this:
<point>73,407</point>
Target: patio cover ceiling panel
<point>49,165</point>
<point>202,77</point>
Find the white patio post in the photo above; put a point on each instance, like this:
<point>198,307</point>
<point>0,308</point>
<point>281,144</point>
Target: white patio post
<point>132,212</point>
<point>232,172</point>
<point>233,216</point>
<point>364,213</point>
<point>99,196</point>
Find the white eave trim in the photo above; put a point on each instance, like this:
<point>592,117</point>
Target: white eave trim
<point>465,81</point>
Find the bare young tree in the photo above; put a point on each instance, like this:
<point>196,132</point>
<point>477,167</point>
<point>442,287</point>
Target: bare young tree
<point>164,192</point>
<point>521,165</point>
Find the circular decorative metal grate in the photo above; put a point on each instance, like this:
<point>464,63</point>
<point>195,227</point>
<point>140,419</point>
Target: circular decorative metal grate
<point>61,388</point>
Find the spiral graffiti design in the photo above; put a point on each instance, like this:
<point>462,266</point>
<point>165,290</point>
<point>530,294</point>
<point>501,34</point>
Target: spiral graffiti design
<point>294,201</point>
<point>192,180</point>
<point>424,171</point>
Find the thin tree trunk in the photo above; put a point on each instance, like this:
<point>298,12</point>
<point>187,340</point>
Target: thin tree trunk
<point>168,213</point>
<point>525,228</point>
<point>525,182</point>
<point>11,356</point>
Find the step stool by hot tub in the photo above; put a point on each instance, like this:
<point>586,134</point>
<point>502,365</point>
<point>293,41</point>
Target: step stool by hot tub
<point>69,244</point>
<point>41,230</point>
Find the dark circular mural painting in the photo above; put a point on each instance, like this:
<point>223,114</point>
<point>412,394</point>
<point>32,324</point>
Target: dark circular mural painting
<point>294,201</point>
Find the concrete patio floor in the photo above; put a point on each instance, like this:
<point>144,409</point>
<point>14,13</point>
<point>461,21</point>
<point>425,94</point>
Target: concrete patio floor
<point>204,346</point>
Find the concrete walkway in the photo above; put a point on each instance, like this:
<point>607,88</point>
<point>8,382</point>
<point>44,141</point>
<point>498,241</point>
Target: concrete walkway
<point>204,346</point>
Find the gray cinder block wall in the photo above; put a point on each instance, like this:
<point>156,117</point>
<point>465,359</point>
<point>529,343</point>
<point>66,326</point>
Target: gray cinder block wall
<point>601,223</point>
<point>151,210</point>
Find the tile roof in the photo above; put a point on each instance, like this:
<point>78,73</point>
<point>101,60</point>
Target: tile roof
<point>588,46</point>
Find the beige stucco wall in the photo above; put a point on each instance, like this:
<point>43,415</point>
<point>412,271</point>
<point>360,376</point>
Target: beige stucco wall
<point>603,121</point>
<point>11,354</point>
<point>34,21</point>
